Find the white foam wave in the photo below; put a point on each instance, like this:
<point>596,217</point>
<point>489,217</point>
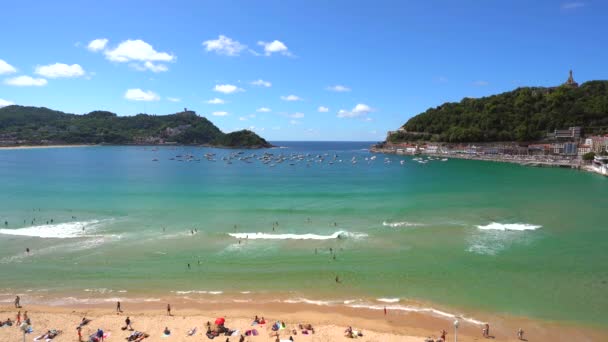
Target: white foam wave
<point>198,292</point>
<point>388,300</point>
<point>266,236</point>
<point>509,226</point>
<point>401,224</point>
<point>308,301</point>
<point>65,230</point>
<point>409,308</point>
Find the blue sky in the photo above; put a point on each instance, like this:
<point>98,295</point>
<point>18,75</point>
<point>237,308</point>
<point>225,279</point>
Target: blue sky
<point>329,70</point>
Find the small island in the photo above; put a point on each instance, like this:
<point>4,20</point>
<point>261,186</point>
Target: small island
<point>564,126</point>
<point>39,126</point>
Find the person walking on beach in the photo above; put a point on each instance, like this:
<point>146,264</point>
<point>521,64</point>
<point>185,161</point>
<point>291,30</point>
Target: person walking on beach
<point>486,331</point>
<point>17,302</point>
<point>520,334</point>
<point>79,330</point>
<point>168,309</point>
<point>118,309</point>
<point>128,324</point>
<point>443,333</point>
<point>19,318</point>
<point>385,312</point>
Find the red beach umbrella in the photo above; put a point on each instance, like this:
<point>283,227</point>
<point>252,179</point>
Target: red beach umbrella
<point>220,321</point>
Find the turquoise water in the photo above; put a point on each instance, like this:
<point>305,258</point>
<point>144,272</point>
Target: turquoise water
<point>408,232</point>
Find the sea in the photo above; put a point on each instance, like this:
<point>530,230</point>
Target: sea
<point>324,223</point>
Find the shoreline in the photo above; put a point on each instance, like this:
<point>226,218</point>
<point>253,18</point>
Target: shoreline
<point>512,159</point>
<point>329,322</point>
<point>29,147</point>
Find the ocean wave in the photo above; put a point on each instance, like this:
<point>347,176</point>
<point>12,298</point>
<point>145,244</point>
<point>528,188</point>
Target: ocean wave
<point>388,300</point>
<point>509,226</point>
<point>409,308</point>
<point>198,292</point>
<point>66,230</point>
<point>401,224</point>
<point>266,236</point>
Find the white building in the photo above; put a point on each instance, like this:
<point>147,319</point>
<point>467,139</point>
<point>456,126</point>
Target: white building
<point>600,165</point>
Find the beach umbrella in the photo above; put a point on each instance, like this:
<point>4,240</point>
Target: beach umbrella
<point>220,321</point>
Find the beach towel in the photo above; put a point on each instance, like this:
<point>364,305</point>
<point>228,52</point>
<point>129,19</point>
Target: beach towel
<point>235,333</point>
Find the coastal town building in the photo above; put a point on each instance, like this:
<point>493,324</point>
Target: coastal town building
<point>572,133</point>
<point>600,165</point>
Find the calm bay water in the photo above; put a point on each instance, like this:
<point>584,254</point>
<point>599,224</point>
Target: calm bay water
<point>430,232</point>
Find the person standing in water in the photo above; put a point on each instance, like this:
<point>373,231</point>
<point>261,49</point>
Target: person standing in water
<point>118,308</point>
<point>168,309</point>
<point>520,334</point>
<point>17,302</point>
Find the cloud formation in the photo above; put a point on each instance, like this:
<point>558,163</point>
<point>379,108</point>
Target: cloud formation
<point>263,110</point>
<point>275,46</point>
<point>97,44</point>
<point>226,88</point>
<point>141,55</point>
<point>219,113</point>
<point>322,109</point>
<point>216,101</point>
<point>6,68</point>
<point>25,81</point>
<point>59,70</point>
<point>359,110</point>
<point>291,98</point>
<point>4,103</point>
<point>338,88</point>
<point>224,46</point>
<point>261,83</point>
<point>296,115</point>
<point>174,99</point>
<point>137,94</point>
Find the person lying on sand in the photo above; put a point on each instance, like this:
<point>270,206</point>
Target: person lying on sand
<point>306,327</point>
<point>167,332</point>
<point>49,335</point>
<point>7,323</point>
<point>137,336</point>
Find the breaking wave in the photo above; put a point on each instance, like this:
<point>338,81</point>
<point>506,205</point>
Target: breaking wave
<point>509,226</point>
<point>266,236</point>
<point>401,224</point>
<point>65,230</point>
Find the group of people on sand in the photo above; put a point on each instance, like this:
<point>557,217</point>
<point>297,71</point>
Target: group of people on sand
<point>485,331</point>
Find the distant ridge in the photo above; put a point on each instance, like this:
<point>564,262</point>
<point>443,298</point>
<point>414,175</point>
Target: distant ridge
<point>21,125</point>
<point>524,114</point>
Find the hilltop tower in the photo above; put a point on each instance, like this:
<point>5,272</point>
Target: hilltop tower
<point>570,82</point>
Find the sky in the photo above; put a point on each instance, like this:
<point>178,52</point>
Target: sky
<point>292,70</point>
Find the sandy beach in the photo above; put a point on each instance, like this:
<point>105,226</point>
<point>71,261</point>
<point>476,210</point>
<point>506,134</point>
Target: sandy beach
<point>329,323</point>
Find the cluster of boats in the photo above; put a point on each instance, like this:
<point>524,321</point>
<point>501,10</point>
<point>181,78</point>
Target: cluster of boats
<point>272,159</point>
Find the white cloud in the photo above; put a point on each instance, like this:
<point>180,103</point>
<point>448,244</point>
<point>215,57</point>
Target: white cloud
<point>263,110</point>
<point>174,99</point>
<point>291,98</point>
<point>137,50</point>
<point>572,5</point>
<point>359,110</point>
<point>216,101</point>
<point>275,46</point>
<point>6,68</point>
<point>151,66</point>
<point>4,103</point>
<point>25,81</point>
<point>140,95</point>
<point>58,70</point>
<point>219,113</point>
<point>480,83</point>
<point>296,115</point>
<point>251,115</point>
<point>261,83</point>
<point>276,128</point>
<point>242,118</point>
<point>294,122</point>
<point>226,88</point>
<point>338,88</point>
<point>224,46</point>
<point>97,44</point>
<point>322,109</point>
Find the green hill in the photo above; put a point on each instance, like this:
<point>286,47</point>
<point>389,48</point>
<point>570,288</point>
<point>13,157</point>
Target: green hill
<point>35,125</point>
<point>524,114</point>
